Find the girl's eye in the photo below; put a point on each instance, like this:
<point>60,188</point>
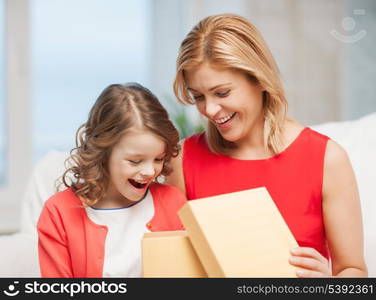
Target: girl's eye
<point>134,162</point>
<point>159,159</point>
<point>223,94</point>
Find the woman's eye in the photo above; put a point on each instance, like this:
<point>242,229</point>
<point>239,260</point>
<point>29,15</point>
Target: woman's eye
<point>159,159</point>
<point>198,97</point>
<point>223,94</point>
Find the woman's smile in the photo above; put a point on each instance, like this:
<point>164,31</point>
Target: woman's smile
<point>225,122</point>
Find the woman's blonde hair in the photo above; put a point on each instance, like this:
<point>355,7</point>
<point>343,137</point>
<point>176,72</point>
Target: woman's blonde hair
<point>117,109</point>
<point>231,42</point>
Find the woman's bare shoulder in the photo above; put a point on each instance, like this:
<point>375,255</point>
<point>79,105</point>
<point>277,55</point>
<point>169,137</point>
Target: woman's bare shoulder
<point>291,131</point>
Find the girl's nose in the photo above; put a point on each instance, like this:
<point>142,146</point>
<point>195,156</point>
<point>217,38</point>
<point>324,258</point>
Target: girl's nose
<point>148,171</point>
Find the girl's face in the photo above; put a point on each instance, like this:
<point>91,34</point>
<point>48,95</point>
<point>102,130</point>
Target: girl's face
<point>135,161</point>
<point>230,101</point>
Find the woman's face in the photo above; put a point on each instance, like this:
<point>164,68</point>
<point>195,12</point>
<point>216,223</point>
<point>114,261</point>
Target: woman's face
<point>228,98</point>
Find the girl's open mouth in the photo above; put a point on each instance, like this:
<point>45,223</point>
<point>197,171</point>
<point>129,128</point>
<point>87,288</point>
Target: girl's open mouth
<point>137,184</point>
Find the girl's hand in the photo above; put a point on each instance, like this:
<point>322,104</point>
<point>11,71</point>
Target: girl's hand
<point>310,263</point>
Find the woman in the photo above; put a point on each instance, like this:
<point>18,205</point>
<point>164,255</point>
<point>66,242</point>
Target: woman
<point>226,70</point>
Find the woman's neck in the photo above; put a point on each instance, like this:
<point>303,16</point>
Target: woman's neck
<point>252,146</point>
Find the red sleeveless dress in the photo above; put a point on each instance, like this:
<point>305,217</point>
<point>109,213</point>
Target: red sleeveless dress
<point>293,178</point>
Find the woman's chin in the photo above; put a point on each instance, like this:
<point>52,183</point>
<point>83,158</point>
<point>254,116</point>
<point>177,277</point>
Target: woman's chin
<point>229,136</point>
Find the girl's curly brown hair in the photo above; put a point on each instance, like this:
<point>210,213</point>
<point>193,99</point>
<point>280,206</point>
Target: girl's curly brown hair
<point>118,108</point>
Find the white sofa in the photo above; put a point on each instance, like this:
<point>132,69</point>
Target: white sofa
<point>358,138</point>
<point>19,251</point>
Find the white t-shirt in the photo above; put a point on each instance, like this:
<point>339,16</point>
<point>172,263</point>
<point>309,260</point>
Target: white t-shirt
<point>126,227</point>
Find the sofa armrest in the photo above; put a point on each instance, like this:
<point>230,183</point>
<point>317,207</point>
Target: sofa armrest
<point>19,256</point>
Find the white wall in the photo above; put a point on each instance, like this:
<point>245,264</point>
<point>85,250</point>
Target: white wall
<point>314,65</point>
<point>18,112</point>
<point>360,57</point>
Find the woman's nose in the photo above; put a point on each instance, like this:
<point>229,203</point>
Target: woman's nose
<point>212,108</point>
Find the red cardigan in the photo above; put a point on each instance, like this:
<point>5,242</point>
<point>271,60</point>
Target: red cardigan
<point>71,245</point>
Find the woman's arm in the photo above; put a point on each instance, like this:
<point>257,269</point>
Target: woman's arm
<point>342,219</point>
<point>342,214</point>
<point>54,257</point>
<point>176,178</point>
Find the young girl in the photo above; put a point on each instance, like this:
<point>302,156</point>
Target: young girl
<point>94,227</point>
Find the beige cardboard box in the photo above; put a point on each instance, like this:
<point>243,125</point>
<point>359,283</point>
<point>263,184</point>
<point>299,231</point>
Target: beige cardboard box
<point>240,234</point>
<point>169,254</point>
